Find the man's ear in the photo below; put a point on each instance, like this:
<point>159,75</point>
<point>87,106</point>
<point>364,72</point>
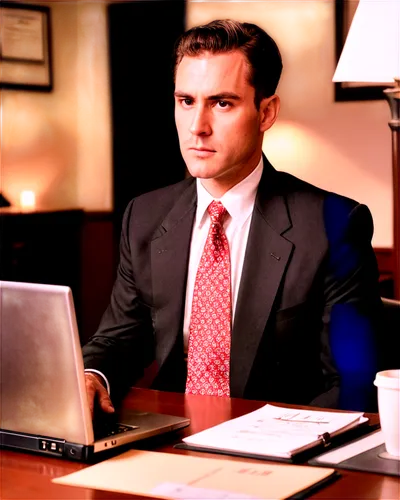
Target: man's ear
<point>269,110</point>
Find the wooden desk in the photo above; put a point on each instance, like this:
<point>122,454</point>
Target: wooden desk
<point>28,476</point>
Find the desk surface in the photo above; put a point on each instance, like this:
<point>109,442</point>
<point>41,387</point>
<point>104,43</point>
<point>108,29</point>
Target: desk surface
<point>28,476</point>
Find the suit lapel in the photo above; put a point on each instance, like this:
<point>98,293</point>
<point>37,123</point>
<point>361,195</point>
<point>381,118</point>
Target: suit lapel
<point>267,255</point>
<point>169,262</point>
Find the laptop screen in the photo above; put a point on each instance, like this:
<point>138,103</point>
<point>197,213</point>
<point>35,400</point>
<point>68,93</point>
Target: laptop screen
<point>42,377</point>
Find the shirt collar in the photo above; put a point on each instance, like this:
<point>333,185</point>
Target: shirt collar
<point>238,201</point>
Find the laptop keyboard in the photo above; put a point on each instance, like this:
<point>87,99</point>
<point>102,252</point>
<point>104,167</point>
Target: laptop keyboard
<point>111,431</point>
<point>107,427</point>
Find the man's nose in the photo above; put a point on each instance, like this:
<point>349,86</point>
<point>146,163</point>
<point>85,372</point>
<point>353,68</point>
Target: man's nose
<point>201,122</point>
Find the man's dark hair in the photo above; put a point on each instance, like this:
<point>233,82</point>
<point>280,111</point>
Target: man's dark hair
<point>220,36</point>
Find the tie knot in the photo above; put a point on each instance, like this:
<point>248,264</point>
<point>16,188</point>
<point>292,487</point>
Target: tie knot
<point>217,211</point>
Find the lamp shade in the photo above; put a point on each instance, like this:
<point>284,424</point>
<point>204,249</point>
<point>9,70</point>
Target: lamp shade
<point>372,49</point>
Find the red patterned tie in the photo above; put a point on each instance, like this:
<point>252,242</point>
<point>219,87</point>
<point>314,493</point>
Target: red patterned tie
<point>210,322</point>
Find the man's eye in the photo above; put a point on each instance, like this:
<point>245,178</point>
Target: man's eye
<point>224,104</point>
<point>187,102</point>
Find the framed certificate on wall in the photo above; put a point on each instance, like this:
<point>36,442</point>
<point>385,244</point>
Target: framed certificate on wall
<point>25,47</point>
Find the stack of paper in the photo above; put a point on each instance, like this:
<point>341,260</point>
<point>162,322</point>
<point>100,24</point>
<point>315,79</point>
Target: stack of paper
<point>273,431</point>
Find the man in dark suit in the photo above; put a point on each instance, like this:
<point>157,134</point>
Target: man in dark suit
<point>303,295</point>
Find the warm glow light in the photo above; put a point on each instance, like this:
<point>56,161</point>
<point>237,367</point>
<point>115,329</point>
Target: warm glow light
<point>27,200</point>
<point>372,49</point>
<point>290,147</point>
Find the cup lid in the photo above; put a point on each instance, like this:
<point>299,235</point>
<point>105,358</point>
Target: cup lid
<point>388,379</point>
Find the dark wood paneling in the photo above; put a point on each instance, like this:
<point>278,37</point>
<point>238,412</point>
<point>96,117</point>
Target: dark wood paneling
<point>65,247</point>
<point>98,269</point>
<point>146,152</point>
<point>385,258</point>
<point>42,247</point>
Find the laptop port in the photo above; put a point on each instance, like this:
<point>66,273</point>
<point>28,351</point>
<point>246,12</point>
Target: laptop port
<point>76,451</point>
<point>51,446</point>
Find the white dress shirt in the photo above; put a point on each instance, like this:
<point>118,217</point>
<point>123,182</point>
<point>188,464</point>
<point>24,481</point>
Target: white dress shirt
<point>239,203</point>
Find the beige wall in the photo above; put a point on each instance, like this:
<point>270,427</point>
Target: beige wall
<point>59,143</point>
<point>343,147</point>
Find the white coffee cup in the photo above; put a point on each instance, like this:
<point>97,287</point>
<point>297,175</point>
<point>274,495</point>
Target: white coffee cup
<point>388,384</point>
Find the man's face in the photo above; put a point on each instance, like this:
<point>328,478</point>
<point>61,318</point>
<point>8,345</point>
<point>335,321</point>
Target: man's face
<point>220,130</point>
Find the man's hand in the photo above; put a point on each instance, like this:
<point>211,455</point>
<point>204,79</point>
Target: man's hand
<point>96,392</point>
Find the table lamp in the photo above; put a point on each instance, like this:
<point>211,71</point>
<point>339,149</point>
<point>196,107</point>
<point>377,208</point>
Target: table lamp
<point>371,54</point>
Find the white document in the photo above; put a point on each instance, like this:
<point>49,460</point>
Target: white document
<point>275,431</point>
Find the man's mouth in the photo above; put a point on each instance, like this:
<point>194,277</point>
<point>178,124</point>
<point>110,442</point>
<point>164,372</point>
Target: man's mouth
<point>202,152</point>
<point>202,149</point>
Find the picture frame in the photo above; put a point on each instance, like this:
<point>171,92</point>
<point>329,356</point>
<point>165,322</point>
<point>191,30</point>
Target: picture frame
<point>352,91</point>
<point>25,47</point>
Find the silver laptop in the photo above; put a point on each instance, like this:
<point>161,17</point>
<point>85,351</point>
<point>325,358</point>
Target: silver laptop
<point>43,399</point>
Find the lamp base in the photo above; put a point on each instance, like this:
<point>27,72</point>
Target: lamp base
<point>393,97</point>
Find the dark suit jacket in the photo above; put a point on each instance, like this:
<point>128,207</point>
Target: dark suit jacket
<point>307,303</point>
